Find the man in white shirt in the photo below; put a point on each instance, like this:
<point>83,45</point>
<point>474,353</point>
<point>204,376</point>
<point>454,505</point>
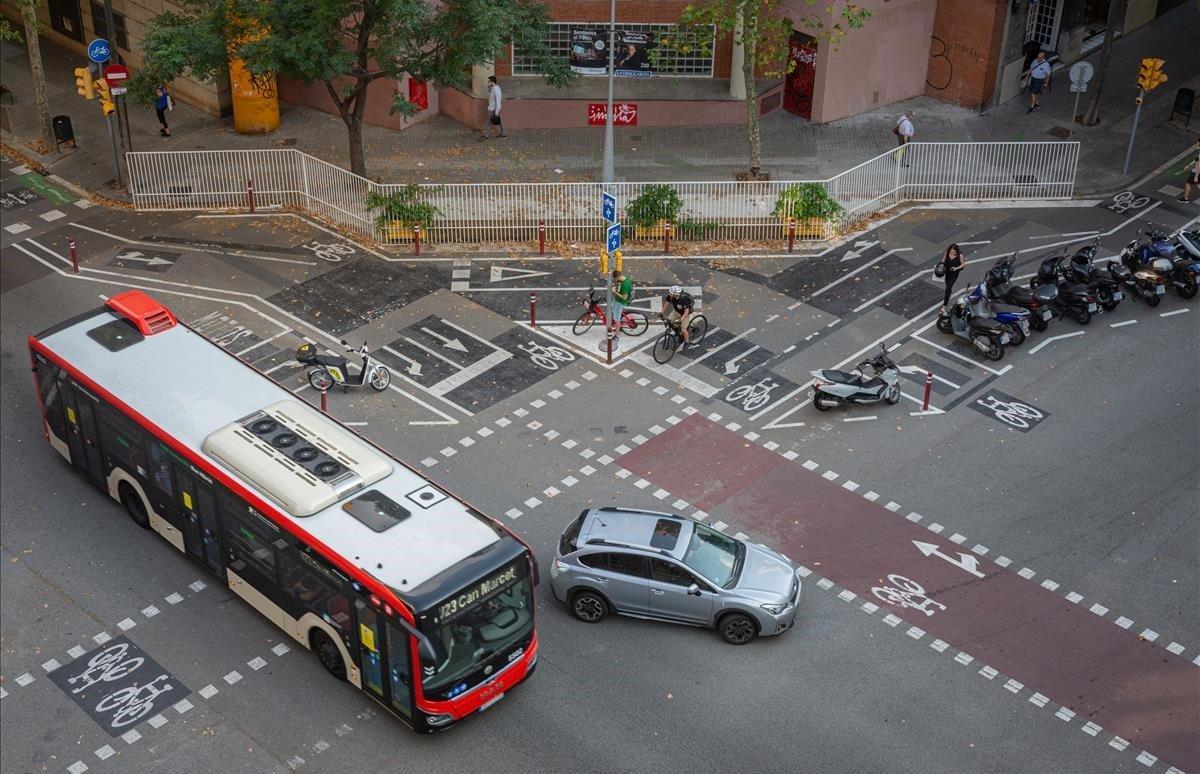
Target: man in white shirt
<point>904,133</point>
<point>1039,76</point>
<point>495,100</point>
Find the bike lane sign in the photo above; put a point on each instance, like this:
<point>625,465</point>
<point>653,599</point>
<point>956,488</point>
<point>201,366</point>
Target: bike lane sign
<point>1008,410</point>
<point>118,685</point>
<point>99,51</point>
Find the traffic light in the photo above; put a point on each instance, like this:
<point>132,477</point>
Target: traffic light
<point>107,106</point>
<point>83,83</point>
<point>1150,74</point>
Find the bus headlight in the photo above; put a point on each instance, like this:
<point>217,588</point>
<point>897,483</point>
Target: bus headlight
<point>439,720</point>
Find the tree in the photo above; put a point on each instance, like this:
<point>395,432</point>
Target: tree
<point>29,18</point>
<point>1116,12</point>
<point>762,29</point>
<point>347,45</point>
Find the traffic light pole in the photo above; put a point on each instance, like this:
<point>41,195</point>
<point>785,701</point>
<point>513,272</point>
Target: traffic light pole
<point>116,156</point>
<point>1133,132</point>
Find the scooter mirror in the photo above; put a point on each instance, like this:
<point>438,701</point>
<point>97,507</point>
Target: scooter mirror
<point>343,341</point>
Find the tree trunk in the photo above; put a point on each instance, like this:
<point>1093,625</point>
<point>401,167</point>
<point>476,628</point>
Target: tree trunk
<point>29,16</point>
<point>750,46</point>
<point>1116,12</point>
<point>358,164</point>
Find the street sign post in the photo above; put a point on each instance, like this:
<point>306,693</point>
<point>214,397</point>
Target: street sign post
<point>1080,73</point>
<point>612,241</point>
<point>1150,77</point>
<point>608,207</point>
<point>99,51</point>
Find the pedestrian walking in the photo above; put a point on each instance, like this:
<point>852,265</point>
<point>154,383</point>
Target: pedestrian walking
<point>1039,77</point>
<point>495,101</point>
<point>622,294</point>
<point>1193,175</point>
<point>953,263</point>
<point>904,133</point>
<point>163,103</point>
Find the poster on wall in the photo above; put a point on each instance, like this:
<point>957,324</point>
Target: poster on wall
<point>589,51</point>
<point>632,58</point>
<point>624,114</point>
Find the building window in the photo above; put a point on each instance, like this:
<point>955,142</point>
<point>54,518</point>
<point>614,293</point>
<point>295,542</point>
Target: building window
<point>100,26</point>
<point>1042,23</point>
<point>697,62</point>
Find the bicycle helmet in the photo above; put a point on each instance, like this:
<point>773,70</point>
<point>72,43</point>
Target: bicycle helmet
<point>675,290</point>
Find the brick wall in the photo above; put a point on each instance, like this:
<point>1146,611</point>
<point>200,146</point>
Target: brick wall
<point>965,51</point>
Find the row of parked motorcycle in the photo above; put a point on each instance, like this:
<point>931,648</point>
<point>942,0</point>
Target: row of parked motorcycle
<point>997,313</point>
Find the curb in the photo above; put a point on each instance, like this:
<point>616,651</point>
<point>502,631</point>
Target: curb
<point>18,155</point>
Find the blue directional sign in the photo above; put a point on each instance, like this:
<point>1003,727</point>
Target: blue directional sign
<point>99,51</point>
<point>609,208</point>
<point>613,240</point>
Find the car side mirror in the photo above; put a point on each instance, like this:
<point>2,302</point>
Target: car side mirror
<point>693,590</point>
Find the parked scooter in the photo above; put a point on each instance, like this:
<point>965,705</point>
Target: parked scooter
<point>324,371</point>
<point>988,336</point>
<point>1188,243</point>
<point>841,388</point>
<point>1186,263</point>
<point>1074,298</point>
<point>1013,318</point>
<point>1082,269</point>
<point>1040,302</point>
<point>1148,283</point>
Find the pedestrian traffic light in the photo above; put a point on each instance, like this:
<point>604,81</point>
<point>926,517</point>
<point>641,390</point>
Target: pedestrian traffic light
<point>83,83</point>
<point>1150,74</point>
<point>107,106</point>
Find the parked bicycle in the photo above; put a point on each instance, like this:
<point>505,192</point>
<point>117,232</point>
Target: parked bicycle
<point>672,337</point>
<point>633,322</point>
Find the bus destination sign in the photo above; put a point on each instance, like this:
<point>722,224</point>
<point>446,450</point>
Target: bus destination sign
<point>474,594</point>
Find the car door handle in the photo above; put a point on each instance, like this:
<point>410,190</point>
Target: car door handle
<point>600,580</point>
<point>658,592</point>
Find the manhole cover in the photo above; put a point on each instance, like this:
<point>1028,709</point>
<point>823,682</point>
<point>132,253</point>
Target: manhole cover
<point>1061,132</point>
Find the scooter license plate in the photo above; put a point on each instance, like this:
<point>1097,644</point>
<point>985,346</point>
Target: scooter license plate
<point>1091,307</point>
<point>1047,314</point>
<point>1004,338</point>
<point>1160,290</point>
<point>1118,295</point>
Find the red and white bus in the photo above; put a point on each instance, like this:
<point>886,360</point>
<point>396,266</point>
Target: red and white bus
<point>398,587</point>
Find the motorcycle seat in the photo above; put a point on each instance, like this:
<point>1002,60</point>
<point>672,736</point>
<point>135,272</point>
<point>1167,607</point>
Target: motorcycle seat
<point>1021,295</point>
<point>332,360</point>
<point>841,377</point>
<point>873,382</point>
<point>984,324</point>
<point>1045,293</point>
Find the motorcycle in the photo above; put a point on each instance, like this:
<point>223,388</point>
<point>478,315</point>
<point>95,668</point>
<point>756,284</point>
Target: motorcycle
<point>1014,318</point>
<point>841,388</point>
<point>988,336</point>
<point>324,371</point>
<point>1186,263</point>
<point>1074,298</point>
<point>1041,302</point>
<point>1149,283</point>
<point>1082,269</point>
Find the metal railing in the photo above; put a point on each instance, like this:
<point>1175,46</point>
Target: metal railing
<point>513,212</point>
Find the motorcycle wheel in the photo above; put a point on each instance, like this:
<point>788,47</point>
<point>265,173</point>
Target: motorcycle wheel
<point>995,351</point>
<point>1153,300</point>
<point>892,395</point>
<point>943,325</point>
<point>1037,323</point>
<point>320,379</point>
<point>1083,316</point>
<point>819,402</point>
<point>1107,302</point>
<point>381,379</point>
<point>1189,287</point>
<point>1016,336</point>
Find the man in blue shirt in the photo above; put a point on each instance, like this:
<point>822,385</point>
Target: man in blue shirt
<point>1039,76</point>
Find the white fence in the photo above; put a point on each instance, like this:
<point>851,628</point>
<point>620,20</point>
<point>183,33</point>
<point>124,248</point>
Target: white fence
<point>513,212</point>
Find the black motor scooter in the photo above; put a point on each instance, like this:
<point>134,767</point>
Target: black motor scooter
<point>1074,298</point>
<point>1041,301</point>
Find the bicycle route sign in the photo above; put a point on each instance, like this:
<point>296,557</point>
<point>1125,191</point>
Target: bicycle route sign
<point>613,238</point>
<point>99,51</point>
<point>608,207</point>
<point>1009,411</point>
<point>118,685</point>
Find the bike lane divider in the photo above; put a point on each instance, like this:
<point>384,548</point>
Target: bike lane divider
<point>1120,682</point>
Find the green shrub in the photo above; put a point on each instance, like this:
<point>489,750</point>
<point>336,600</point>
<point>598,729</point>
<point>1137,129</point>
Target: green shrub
<point>807,200</point>
<point>655,203</point>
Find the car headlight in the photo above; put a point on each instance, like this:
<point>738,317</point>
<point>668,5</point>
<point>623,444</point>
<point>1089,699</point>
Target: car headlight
<point>775,609</point>
<point>558,568</point>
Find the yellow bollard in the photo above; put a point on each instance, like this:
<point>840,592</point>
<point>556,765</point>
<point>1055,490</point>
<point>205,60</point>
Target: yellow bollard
<point>620,261</point>
<point>603,262</point>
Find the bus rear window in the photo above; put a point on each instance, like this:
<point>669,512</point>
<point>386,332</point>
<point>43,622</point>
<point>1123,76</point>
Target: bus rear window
<point>116,335</point>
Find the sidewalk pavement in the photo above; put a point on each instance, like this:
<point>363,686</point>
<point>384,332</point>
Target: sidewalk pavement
<point>442,151</point>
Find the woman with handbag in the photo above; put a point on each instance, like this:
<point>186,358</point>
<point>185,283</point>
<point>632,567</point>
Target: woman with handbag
<point>162,103</point>
<point>950,267</point>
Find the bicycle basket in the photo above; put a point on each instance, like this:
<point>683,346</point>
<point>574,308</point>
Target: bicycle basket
<point>306,353</point>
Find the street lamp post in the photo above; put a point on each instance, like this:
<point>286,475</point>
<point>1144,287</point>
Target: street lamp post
<point>607,173</point>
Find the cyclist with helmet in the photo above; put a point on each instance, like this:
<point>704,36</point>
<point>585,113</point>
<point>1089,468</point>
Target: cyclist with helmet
<point>683,304</point>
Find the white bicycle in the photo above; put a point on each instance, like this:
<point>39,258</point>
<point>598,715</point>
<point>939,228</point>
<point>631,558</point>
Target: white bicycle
<point>1128,200</point>
<point>906,593</point>
<point>1011,412</point>
<point>332,251</point>
<point>546,357</point>
<point>752,396</point>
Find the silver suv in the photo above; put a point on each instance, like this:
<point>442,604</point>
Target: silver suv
<point>673,568</point>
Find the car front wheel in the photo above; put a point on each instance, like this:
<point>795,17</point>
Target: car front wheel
<point>589,607</point>
<point>737,628</point>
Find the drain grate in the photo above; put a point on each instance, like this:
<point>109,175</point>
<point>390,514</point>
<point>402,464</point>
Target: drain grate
<point>1061,132</point>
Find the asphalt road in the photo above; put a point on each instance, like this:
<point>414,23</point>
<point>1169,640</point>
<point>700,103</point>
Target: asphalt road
<point>1084,527</point>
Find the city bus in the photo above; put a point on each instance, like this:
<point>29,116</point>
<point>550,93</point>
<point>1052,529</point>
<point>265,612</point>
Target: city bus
<point>398,587</point>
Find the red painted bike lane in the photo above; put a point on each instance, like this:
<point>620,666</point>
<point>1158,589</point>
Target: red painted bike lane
<point>1130,687</point>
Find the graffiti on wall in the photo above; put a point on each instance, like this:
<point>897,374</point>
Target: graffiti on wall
<point>940,73</point>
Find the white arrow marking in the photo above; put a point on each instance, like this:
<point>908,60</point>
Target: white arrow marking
<point>414,368</point>
<point>964,561</point>
<point>1044,342</point>
<point>447,343</point>
<point>499,272</point>
<point>924,372</point>
<point>731,366</point>
<point>136,256</point>
<point>857,251</point>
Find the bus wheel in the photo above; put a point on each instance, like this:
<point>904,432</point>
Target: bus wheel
<point>328,653</point>
<point>134,505</point>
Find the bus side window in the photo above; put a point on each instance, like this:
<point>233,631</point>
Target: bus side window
<point>251,554</point>
<point>162,491</point>
<point>122,442</point>
<point>310,587</point>
<point>51,390</point>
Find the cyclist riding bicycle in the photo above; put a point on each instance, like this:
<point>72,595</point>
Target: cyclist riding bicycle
<point>683,304</point>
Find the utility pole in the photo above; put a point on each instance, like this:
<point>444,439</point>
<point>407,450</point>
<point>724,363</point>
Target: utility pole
<point>608,172</point>
<point>122,111</point>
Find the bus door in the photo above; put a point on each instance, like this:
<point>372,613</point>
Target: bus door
<point>399,661</point>
<point>198,506</point>
<point>82,434</point>
<point>386,673</point>
<point>370,644</point>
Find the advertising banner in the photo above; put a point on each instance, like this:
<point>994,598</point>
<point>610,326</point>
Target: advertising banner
<point>632,59</point>
<point>589,51</point>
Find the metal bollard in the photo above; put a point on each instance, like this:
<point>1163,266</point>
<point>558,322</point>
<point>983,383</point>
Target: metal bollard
<point>541,237</point>
<point>608,336</point>
<point>667,238</point>
<point>791,234</point>
<point>416,240</point>
<point>324,401</point>
<point>533,310</point>
<point>250,192</point>
<point>928,389</point>
<point>74,256</point>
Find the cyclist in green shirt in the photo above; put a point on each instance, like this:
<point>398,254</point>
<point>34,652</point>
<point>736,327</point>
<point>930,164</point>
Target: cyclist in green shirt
<point>622,294</point>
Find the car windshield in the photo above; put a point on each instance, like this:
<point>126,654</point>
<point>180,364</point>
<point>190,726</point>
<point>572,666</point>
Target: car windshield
<point>481,620</point>
<point>713,555</point>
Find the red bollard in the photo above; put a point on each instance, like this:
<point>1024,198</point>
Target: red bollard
<point>74,257</point>
<point>541,237</point>
<point>324,401</point>
<point>791,234</point>
<point>928,389</point>
<point>416,240</point>
<point>666,238</point>
<point>250,192</point>
<point>533,310</point>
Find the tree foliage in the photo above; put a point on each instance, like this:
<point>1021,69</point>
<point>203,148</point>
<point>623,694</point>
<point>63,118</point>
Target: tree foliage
<point>346,45</point>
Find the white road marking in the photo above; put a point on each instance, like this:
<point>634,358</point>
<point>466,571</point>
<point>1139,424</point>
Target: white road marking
<point>1177,311</point>
<point>860,419</point>
<point>189,249</point>
<point>1046,341</point>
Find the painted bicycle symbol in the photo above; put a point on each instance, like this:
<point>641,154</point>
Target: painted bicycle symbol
<point>752,396</point>
<point>1128,200</point>
<point>329,251</point>
<point>134,702</point>
<point>906,593</point>
<point>1012,412</point>
<point>106,666</point>
<point>17,198</point>
<point>546,357</point>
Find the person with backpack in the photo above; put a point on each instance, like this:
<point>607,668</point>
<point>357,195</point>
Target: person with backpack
<point>1039,76</point>
<point>162,103</point>
<point>904,133</point>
